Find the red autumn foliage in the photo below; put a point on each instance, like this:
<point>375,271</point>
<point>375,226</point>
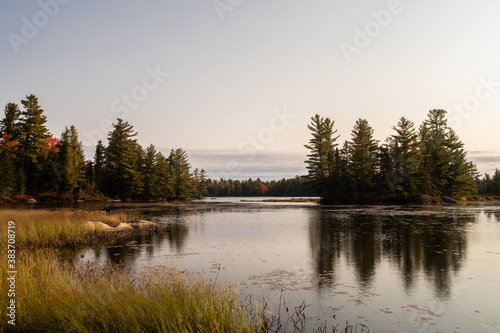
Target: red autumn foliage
<point>51,144</point>
<point>6,144</point>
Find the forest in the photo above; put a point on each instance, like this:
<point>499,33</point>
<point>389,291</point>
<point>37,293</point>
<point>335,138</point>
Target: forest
<point>34,163</point>
<point>292,187</point>
<point>428,162</point>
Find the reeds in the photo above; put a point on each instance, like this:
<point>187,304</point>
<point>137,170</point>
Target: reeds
<point>56,296</point>
<point>55,228</point>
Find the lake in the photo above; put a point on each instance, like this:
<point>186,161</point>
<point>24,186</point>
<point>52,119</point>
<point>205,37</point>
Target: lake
<point>391,268</point>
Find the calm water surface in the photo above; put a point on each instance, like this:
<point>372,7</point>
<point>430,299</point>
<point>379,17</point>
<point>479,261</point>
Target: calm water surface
<point>394,269</point>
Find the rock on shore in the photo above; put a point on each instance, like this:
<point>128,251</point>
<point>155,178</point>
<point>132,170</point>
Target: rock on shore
<point>137,225</point>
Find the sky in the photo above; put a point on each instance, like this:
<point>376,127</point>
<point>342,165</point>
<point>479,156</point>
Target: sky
<point>235,82</point>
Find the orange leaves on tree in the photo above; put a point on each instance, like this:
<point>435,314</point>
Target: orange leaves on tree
<point>6,144</point>
<point>51,144</point>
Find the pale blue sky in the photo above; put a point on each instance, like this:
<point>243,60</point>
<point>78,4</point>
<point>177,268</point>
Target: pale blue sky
<point>233,65</point>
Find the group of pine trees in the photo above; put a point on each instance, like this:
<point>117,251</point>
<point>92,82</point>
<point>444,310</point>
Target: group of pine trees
<point>293,187</point>
<point>428,160</point>
<point>489,185</point>
<point>35,163</point>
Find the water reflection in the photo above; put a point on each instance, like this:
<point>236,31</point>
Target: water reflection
<point>419,265</point>
<point>434,245</point>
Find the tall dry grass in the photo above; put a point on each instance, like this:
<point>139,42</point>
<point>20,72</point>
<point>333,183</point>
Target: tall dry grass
<point>55,228</point>
<point>55,296</point>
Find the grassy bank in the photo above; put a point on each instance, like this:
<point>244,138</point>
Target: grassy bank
<point>56,228</point>
<point>55,295</point>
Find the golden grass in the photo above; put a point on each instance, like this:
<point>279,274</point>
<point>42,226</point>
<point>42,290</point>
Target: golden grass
<point>56,296</point>
<point>55,228</point>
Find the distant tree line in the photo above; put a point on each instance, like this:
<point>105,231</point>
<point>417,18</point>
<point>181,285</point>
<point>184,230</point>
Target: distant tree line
<point>489,185</point>
<point>35,163</point>
<point>428,160</point>
<point>293,187</point>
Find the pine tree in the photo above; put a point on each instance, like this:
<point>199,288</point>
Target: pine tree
<point>202,184</point>
<point>99,163</point>
<point>363,149</point>
<point>443,168</point>
<point>461,173</point>
<point>320,162</point>
<point>10,123</point>
<point>32,140</point>
<point>385,176</point>
<point>433,156</point>
<point>180,176</point>
<point>88,185</point>
<point>72,160</point>
<point>164,175</point>
<point>138,184</point>
<point>151,171</point>
<point>495,183</point>
<point>122,177</point>
<point>8,179</point>
<point>403,149</point>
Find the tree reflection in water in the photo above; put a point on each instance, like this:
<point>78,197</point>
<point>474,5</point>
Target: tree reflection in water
<point>431,244</point>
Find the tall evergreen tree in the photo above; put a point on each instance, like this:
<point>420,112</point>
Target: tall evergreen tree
<point>495,183</point>
<point>180,176</point>
<point>320,162</point>
<point>8,179</point>
<point>152,180</point>
<point>363,149</point>
<point>460,173</point>
<point>443,168</point>
<point>32,141</point>
<point>433,157</point>
<point>403,149</point>
<point>10,123</point>
<point>99,163</point>
<point>202,184</point>
<point>164,175</point>
<point>122,177</point>
<point>385,177</point>
<point>72,160</point>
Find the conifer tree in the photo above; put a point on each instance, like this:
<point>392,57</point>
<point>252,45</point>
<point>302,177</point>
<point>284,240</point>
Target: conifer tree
<point>8,179</point>
<point>151,171</point>
<point>495,183</point>
<point>461,173</point>
<point>72,160</point>
<point>179,173</point>
<point>122,177</point>
<point>202,184</point>
<point>363,149</point>
<point>403,149</point>
<point>164,175</point>
<point>10,123</point>
<point>320,162</point>
<point>99,163</point>
<point>32,139</point>
<point>385,177</point>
